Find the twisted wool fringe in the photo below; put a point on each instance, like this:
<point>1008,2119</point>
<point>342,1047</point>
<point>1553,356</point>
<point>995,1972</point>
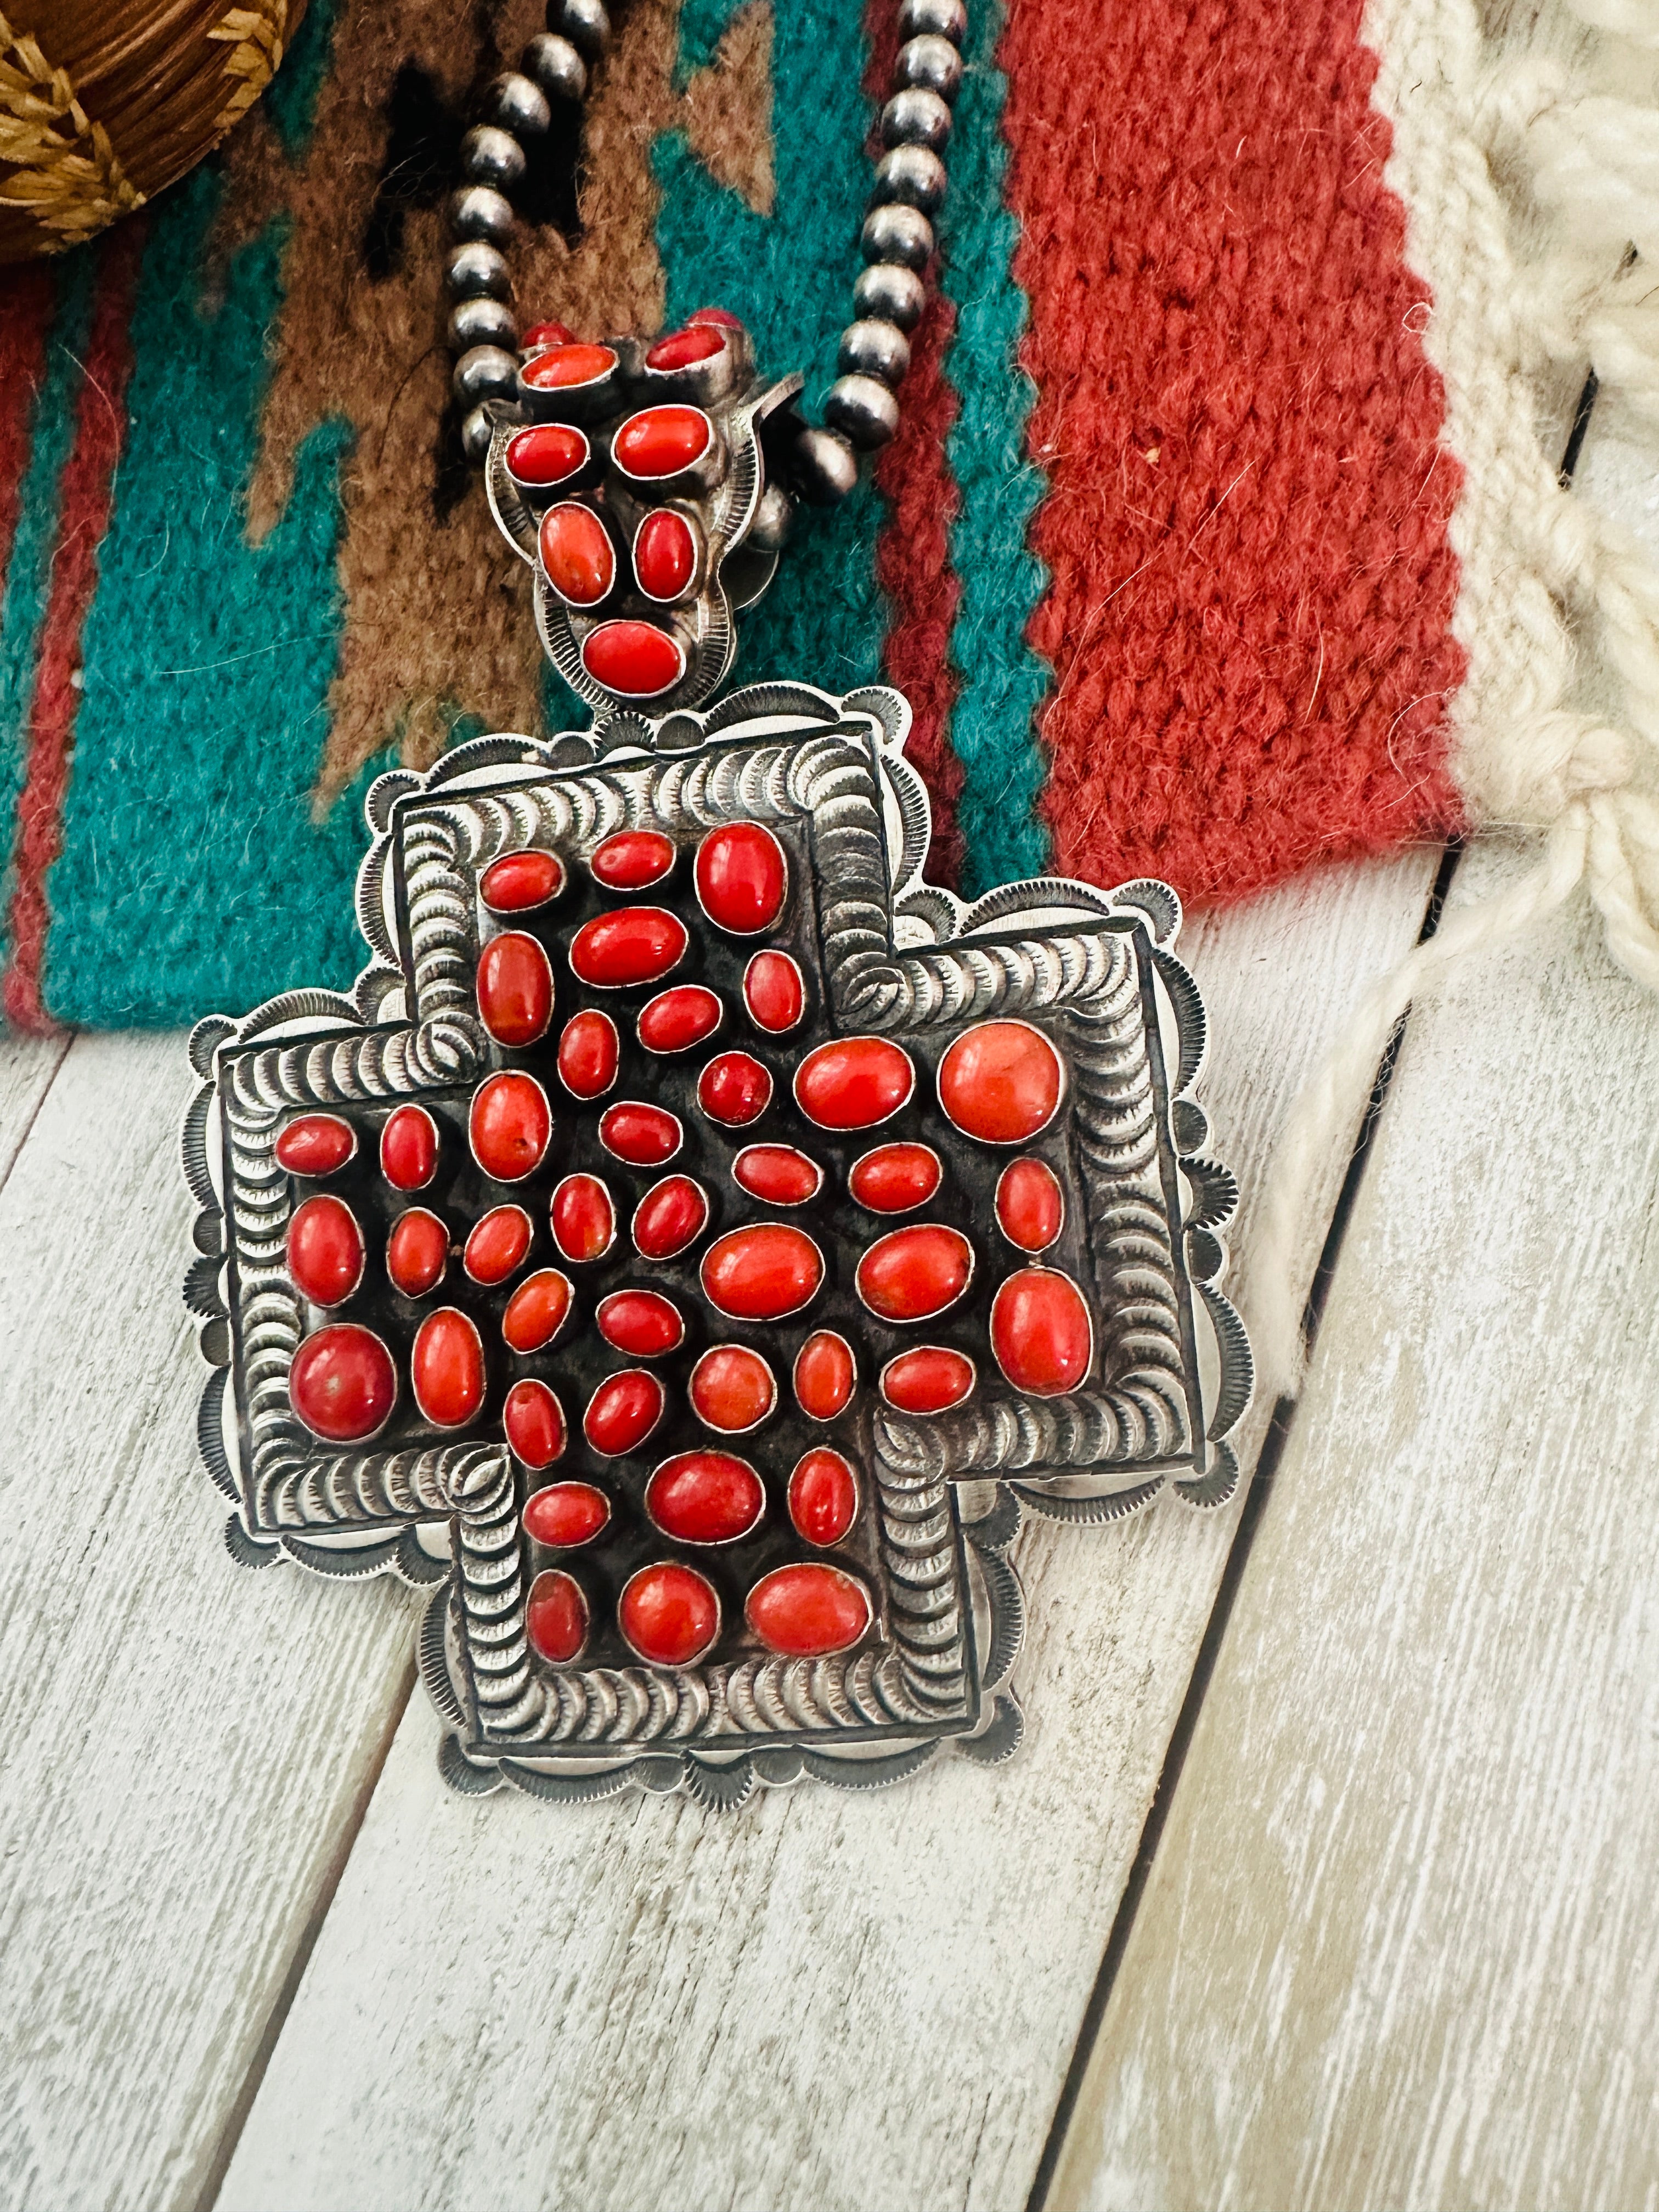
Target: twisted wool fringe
<point>1542,568</point>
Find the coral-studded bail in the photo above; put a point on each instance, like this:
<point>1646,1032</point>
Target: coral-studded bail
<point>633,477</point>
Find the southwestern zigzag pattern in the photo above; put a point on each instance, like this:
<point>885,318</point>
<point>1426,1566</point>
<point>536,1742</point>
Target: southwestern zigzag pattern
<point>1160,556</point>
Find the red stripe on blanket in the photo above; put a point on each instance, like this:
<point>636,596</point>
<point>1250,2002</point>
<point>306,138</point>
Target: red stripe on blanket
<point>913,552</point>
<point>88,476</point>
<point>1252,587</point>
<point>25,318</point>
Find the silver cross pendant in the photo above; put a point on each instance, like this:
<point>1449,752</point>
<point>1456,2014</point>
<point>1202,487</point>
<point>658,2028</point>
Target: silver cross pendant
<point>695,1242</point>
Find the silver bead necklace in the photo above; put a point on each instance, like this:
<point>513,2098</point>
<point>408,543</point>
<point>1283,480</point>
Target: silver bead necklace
<point>897,242</point>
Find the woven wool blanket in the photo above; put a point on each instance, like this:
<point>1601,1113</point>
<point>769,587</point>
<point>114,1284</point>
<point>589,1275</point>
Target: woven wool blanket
<point>1223,535</point>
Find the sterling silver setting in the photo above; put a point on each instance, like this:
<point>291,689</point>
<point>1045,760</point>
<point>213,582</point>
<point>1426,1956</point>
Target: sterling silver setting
<point>941,1498</point>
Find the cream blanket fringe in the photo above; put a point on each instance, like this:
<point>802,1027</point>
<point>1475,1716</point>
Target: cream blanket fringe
<point>1530,176</point>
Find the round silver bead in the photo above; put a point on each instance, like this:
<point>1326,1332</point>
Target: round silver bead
<point>480,211</point>
<point>556,67</point>
<point>898,234</point>
<point>774,517</point>
<point>912,176</point>
<point>584,22</point>
<point>862,410</point>
<point>928,64</point>
<point>826,467</point>
<point>482,321</point>
<point>489,157</point>
<point>886,292</point>
<point>518,104</point>
<point>476,272</point>
<point>915,117</point>
<point>476,432</point>
<point>943,19</point>
<point>485,372</point>
<point>873,348</point>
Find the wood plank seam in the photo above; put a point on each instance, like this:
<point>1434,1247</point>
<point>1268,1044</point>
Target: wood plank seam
<point>242,2104</point>
<point>8,1159</point>
<point>1257,1493</point>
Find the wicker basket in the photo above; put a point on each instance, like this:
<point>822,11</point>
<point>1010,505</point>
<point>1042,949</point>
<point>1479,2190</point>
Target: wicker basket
<point>104,102</point>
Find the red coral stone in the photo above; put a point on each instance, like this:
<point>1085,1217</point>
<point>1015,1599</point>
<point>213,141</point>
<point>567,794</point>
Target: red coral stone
<point>416,1252</point>
<point>705,1498</point>
<point>669,1614</point>
<point>589,1050</point>
<point>409,1148</point>
<point>447,1368</point>
<point>742,878</point>
<point>635,660</point>
<point>519,881</point>
<point>534,1422</point>
<point>929,1379</point>
<point>1002,1082</point>
<point>545,455</point>
<point>660,441</point>
<point>914,1274</point>
<point>515,989</point>
<point>777,1175</point>
<point>632,860</point>
<point>894,1178</point>
<point>622,1411</point>
<point>1030,1205</point>
<point>497,1245</point>
<point>584,1218</point>
<point>731,1389</point>
<point>665,555</point>
<point>683,347</point>
<point>1040,1333</point>
<point>555,1616</point>
<point>635,944</point>
<point>825,1374</point>
<point>566,1514</point>
<point>536,1310</point>
<point>852,1083</point>
<point>734,1090</point>
<point>316,1144</point>
<point>342,1383</point>
<point>563,365</point>
<point>642,1324</point>
<point>824,1496</point>
<point>545,334</point>
<point>645,1136</point>
<point>762,1273</point>
<point>577,554</point>
<point>774,993</point>
<point>510,1125</point>
<point>673,1214</point>
<point>676,1020</point>
<point>324,1250</point>
<point>805,1611</point>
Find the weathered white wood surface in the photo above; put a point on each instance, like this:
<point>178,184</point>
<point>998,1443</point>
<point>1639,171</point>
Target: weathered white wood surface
<point>827,2000</point>
<point>27,1065</point>
<point>1400,1946</point>
<point>183,1745</point>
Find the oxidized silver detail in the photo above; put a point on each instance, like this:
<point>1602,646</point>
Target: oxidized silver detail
<point>895,957</point>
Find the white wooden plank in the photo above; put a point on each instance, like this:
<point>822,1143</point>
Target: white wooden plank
<point>184,1744</point>
<point>820,2001</point>
<point>27,1065</point>
<point>1399,1945</point>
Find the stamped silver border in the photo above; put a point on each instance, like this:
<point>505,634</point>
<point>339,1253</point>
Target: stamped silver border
<point>949,1491</point>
